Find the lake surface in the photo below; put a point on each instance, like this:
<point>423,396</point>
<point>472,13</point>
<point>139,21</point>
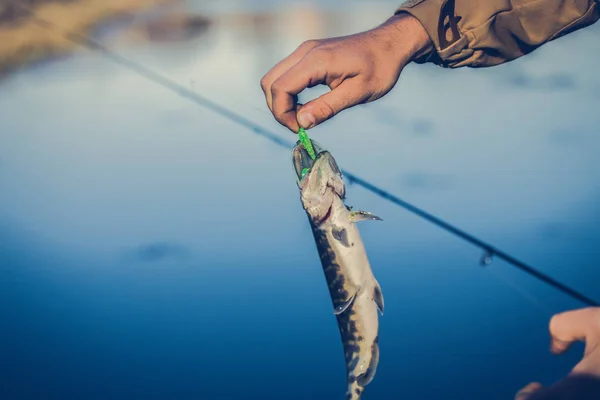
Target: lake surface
<point>154,249</point>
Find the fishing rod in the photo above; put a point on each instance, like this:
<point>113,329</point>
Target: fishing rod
<point>490,251</point>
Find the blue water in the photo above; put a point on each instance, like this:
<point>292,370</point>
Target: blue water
<point>153,249</point>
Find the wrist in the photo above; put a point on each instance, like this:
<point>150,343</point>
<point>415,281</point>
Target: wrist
<point>409,35</point>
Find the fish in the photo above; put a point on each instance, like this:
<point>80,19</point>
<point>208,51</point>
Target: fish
<point>355,293</point>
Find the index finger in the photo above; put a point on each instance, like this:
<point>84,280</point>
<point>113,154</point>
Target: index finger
<point>285,89</point>
<point>281,67</point>
<point>568,327</point>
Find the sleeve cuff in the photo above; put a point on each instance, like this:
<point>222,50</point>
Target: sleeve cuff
<point>437,17</point>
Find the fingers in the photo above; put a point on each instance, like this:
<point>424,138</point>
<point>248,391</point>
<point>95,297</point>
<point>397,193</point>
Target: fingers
<point>305,68</point>
<point>568,327</point>
<point>348,94</point>
<point>565,328</point>
<point>283,66</point>
<point>284,91</point>
<point>527,391</point>
<point>315,68</point>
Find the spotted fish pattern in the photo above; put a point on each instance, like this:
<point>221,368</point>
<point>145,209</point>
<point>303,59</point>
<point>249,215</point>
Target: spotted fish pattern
<point>355,293</point>
<point>359,335</point>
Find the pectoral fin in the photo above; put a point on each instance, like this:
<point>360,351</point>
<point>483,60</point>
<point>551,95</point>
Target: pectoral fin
<point>341,234</point>
<point>344,306</point>
<point>360,215</point>
<point>378,297</point>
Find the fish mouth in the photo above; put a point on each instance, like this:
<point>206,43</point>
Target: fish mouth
<point>302,160</point>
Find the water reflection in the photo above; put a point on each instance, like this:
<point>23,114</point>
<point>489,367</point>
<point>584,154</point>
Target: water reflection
<point>96,162</point>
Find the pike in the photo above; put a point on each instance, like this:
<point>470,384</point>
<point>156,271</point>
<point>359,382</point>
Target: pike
<point>355,293</point>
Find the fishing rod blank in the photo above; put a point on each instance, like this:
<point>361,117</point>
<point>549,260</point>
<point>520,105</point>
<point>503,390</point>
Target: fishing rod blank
<point>489,250</point>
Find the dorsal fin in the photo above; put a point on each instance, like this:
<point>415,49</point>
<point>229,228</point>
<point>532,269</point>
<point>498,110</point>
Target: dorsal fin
<point>366,378</point>
<point>378,296</point>
<point>360,215</point>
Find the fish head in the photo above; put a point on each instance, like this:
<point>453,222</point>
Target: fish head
<point>320,180</point>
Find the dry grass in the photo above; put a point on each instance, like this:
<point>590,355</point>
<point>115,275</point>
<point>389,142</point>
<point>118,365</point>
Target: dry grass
<point>25,41</point>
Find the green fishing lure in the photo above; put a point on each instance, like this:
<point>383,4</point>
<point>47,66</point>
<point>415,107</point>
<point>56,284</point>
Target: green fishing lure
<point>303,136</point>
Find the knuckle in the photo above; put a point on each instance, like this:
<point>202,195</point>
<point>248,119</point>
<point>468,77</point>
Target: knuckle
<point>556,325</point>
<point>320,54</point>
<point>326,109</point>
<point>278,112</point>
<point>280,117</point>
<point>264,83</point>
<point>309,44</point>
<point>283,119</point>
<point>277,88</point>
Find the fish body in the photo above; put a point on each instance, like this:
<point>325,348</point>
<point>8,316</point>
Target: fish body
<point>355,293</point>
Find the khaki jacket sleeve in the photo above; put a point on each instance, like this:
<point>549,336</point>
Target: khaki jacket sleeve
<point>483,33</point>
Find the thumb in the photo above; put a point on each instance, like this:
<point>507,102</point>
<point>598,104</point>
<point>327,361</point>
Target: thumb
<point>568,327</point>
<point>527,391</point>
<point>319,110</point>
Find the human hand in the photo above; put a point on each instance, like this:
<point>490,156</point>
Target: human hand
<point>566,328</point>
<point>358,69</point>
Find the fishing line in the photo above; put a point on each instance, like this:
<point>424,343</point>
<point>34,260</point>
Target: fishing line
<point>533,300</point>
<point>508,282</point>
<point>490,251</point>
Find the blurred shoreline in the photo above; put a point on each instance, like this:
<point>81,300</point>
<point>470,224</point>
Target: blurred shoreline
<point>26,41</point>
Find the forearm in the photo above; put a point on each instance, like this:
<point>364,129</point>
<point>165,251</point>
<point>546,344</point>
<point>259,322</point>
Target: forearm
<point>490,32</point>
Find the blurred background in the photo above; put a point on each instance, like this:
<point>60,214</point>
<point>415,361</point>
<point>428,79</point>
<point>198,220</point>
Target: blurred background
<point>151,248</point>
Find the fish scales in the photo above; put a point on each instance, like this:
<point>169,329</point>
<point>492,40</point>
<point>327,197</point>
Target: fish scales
<point>355,293</point>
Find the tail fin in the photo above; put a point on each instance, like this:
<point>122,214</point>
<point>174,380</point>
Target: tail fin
<point>354,391</point>
<point>356,387</point>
